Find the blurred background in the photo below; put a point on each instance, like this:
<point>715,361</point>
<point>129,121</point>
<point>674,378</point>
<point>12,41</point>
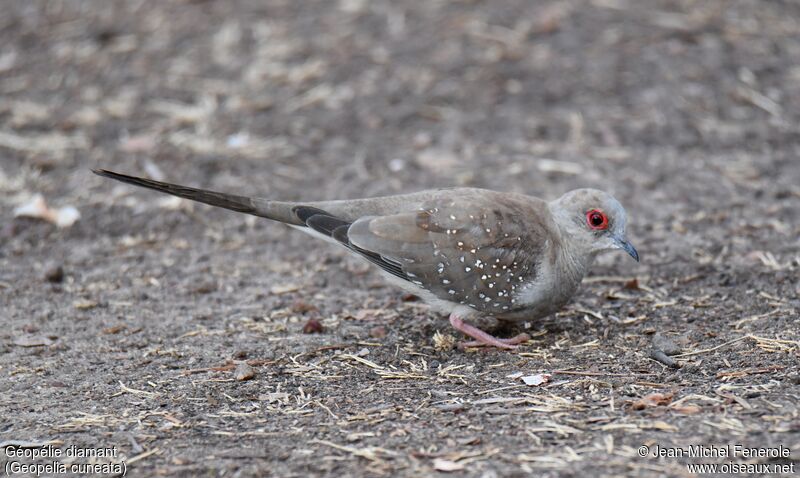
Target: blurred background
<point>687,111</point>
<point>653,100</point>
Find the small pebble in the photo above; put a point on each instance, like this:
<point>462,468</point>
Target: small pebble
<point>205,287</point>
<point>54,274</point>
<point>244,372</point>
<point>632,284</point>
<point>313,326</point>
<point>377,332</point>
<point>301,307</point>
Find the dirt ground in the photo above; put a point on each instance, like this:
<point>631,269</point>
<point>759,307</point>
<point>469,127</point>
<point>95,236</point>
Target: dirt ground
<point>174,332</point>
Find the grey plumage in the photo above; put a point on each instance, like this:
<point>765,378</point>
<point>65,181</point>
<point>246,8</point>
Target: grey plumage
<point>466,251</point>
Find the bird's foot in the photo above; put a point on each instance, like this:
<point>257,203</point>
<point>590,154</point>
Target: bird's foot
<point>482,338</point>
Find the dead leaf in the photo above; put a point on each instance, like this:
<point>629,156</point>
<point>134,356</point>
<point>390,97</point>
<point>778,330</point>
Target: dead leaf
<point>686,409</point>
<point>37,208</point>
<point>440,464</point>
<point>84,304</point>
<point>284,289</point>
<point>664,426</point>
<point>33,341</point>
<point>443,342</point>
<point>653,400</point>
<point>113,329</point>
<point>536,380</point>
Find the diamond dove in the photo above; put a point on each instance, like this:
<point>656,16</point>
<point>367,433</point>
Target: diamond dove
<point>467,252</point>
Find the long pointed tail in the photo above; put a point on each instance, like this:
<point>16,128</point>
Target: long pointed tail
<point>279,211</point>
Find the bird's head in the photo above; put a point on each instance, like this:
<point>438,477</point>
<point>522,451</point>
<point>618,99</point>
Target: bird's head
<point>594,220</point>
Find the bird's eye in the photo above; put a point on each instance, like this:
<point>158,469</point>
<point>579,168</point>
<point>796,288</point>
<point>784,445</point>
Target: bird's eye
<point>596,219</point>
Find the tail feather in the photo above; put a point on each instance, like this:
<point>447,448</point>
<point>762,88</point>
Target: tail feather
<point>227,201</point>
<point>278,211</point>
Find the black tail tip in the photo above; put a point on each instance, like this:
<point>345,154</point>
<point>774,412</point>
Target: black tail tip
<point>111,174</point>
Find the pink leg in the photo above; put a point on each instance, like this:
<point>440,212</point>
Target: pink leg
<point>482,338</point>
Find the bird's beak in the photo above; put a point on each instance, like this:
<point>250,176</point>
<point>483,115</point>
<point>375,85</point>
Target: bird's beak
<point>627,247</point>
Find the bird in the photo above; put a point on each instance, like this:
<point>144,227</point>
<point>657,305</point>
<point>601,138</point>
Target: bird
<point>467,252</point>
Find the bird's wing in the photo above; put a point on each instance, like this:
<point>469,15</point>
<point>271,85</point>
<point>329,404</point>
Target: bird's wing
<point>477,250</point>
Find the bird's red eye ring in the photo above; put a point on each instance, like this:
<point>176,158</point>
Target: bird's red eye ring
<point>596,219</point>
